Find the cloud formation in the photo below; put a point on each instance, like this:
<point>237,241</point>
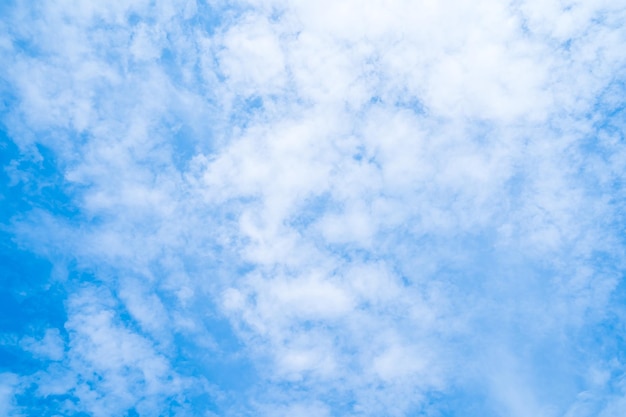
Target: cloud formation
<point>313,209</point>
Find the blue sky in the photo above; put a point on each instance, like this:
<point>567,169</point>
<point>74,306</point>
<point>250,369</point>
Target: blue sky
<point>313,209</point>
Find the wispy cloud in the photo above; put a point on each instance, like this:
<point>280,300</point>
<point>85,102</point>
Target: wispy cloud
<point>313,209</point>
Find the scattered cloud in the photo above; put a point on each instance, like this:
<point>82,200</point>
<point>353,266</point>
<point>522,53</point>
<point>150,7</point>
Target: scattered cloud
<point>312,209</point>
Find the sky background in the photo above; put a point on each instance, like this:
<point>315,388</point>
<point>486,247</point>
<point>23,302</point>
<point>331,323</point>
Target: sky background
<point>313,208</point>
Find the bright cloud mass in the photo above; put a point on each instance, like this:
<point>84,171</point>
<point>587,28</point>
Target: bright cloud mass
<point>313,208</point>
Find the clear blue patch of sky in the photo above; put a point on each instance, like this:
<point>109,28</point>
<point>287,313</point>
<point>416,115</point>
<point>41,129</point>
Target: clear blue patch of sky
<point>468,399</point>
<point>311,210</point>
<point>30,300</point>
<point>29,304</point>
<point>245,109</point>
<point>48,406</point>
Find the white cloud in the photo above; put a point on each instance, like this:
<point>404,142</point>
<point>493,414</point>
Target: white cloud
<point>397,181</point>
<point>117,368</point>
<point>51,346</point>
<point>252,58</point>
<point>8,381</point>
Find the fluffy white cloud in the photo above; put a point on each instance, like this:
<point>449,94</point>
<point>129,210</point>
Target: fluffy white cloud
<point>386,200</point>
